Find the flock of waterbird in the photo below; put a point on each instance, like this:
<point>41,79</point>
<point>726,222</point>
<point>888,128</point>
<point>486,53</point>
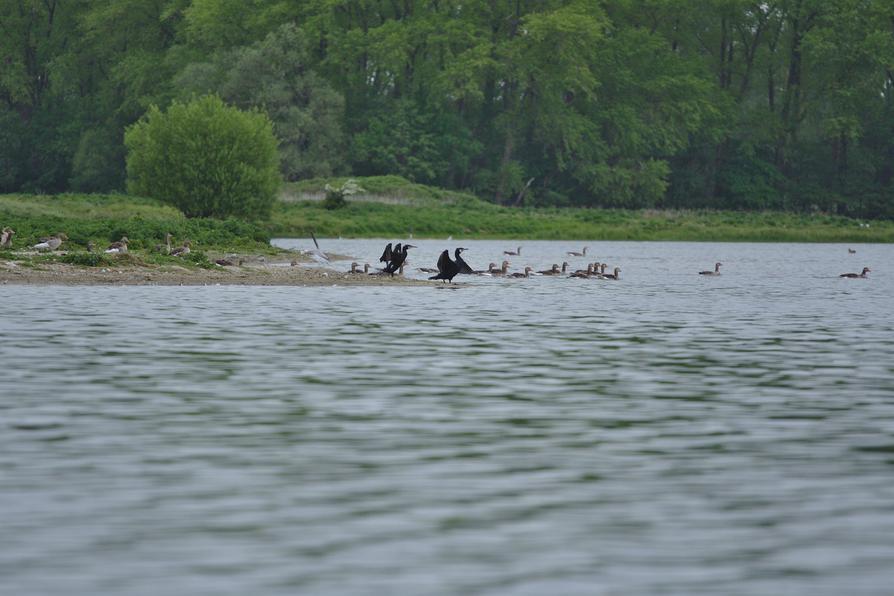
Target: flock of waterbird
<point>395,257</point>
<point>51,243</point>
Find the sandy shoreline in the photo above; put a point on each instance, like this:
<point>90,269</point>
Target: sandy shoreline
<point>261,274</point>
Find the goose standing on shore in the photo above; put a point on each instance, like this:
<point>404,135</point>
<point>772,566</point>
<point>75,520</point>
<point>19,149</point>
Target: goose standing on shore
<point>515,253</point>
<point>166,247</point>
<point>6,237</point>
<point>51,243</point>
<point>583,253</point>
<point>118,247</point>
<point>857,275</point>
<point>715,272</point>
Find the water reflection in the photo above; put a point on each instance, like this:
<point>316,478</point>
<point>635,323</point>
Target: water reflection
<point>667,433</point>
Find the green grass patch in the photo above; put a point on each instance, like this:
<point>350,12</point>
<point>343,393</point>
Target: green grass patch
<point>472,218</point>
<point>102,219</point>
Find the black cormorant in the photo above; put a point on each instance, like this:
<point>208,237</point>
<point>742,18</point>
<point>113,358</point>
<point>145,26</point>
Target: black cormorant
<point>856,275</point>
<point>447,269</point>
<point>461,264</point>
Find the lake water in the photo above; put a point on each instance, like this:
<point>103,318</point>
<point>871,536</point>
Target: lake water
<point>667,433</point>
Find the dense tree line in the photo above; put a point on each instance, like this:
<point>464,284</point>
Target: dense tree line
<point>667,103</point>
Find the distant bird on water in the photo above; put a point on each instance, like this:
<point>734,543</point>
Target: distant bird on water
<point>852,251</point>
<point>51,243</point>
<point>447,268</point>
<point>615,276</point>
<point>715,272</point>
<point>504,268</point>
<point>583,253</point>
<point>857,275</point>
<point>527,273</point>
<point>515,253</point>
<point>553,271</point>
<point>6,237</point>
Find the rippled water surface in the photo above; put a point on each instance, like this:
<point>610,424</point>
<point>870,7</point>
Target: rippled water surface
<point>666,433</point>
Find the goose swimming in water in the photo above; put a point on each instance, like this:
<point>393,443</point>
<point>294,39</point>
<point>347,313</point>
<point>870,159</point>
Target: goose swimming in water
<point>118,247</point>
<point>583,273</point>
<point>504,268</point>
<point>583,253</point>
<point>6,237</point>
<point>715,272</point>
<point>615,276</point>
<point>852,251</point>
<point>527,273</point>
<point>182,251</point>
<point>514,253</point>
<point>857,275</point>
<point>51,243</point>
<point>553,271</point>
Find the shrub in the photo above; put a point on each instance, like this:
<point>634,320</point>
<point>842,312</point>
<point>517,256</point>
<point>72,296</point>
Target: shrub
<point>336,196</point>
<point>207,159</point>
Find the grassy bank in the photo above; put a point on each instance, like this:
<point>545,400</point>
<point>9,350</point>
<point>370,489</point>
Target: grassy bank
<point>102,219</point>
<point>470,218</point>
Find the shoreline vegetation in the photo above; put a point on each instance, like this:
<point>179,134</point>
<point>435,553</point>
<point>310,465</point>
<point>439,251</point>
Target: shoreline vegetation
<point>390,207</point>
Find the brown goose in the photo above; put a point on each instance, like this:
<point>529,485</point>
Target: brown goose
<point>166,247</point>
<point>553,271</point>
<point>615,276</point>
<point>118,247</point>
<point>583,273</point>
<point>504,268</point>
<point>715,272</point>
<point>851,251</point>
<point>514,253</point>
<point>6,237</point>
<point>527,273</point>
<point>182,251</point>
<point>857,275</point>
<point>51,243</point>
<point>583,253</point>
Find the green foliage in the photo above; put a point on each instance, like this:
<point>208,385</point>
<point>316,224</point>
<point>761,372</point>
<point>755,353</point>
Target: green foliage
<point>713,103</point>
<point>208,159</point>
<point>336,196</point>
<point>86,259</point>
<point>272,75</point>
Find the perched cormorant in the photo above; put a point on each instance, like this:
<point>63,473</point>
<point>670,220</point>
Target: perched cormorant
<point>513,253</point>
<point>447,268</point>
<point>856,275</point>
<point>461,263</point>
<point>715,272</point>
<point>398,256</point>
<point>583,253</point>
<point>386,254</point>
